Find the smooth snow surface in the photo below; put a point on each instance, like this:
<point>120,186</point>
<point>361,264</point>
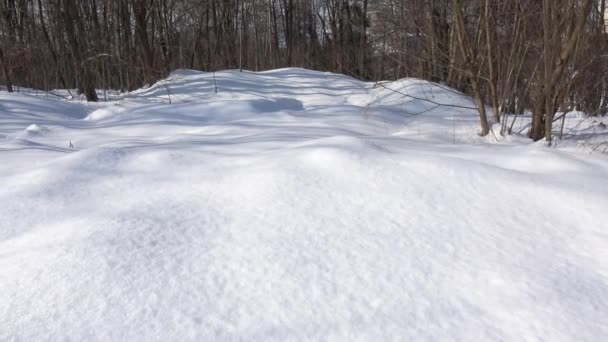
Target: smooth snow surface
<point>292,205</point>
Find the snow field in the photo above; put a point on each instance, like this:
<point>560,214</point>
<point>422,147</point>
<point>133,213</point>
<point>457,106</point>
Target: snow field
<point>292,205</point>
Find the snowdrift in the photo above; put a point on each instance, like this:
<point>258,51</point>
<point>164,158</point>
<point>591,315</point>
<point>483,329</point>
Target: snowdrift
<point>297,205</point>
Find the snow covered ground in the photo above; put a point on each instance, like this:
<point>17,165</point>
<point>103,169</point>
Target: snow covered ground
<point>294,205</point>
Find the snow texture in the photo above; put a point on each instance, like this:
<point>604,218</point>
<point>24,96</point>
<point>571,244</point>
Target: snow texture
<point>293,205</point>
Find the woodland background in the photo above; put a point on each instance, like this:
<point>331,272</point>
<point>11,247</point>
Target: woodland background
<point>543,57</point>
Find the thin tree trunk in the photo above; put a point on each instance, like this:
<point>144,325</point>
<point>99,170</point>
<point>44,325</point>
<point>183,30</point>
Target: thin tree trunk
<point>6,73</point>
<point>467,54</point>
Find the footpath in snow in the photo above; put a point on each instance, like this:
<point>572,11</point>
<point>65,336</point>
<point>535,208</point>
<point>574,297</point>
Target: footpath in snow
<point>293,205</point>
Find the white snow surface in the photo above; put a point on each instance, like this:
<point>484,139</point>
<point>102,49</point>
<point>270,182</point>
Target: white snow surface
<point>293,205</point>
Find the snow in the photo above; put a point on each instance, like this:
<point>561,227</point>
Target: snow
<point>293,205</point>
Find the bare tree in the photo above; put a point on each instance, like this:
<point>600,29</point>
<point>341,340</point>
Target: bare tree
<point>499,52</point>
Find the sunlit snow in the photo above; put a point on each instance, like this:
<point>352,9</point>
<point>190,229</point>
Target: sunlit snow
<point>293,205</point>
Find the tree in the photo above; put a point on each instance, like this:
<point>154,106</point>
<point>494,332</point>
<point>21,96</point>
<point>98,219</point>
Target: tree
<point>499,52</point>
<point>563,24</point>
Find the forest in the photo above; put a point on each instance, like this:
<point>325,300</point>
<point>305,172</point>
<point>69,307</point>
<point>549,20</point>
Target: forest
<point>544,57</point>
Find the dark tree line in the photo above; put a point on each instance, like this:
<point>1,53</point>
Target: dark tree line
<point>541,56</point>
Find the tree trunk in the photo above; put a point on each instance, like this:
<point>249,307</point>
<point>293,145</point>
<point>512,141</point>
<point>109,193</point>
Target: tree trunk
<point>467,54</point>
<point>5,71</point>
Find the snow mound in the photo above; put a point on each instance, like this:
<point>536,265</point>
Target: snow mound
<point>105,113</point>
<point>178,73</point>
<point>310,87</point>
<point>32,131</point>
<point>34,128</point>
<point>418,94</point>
